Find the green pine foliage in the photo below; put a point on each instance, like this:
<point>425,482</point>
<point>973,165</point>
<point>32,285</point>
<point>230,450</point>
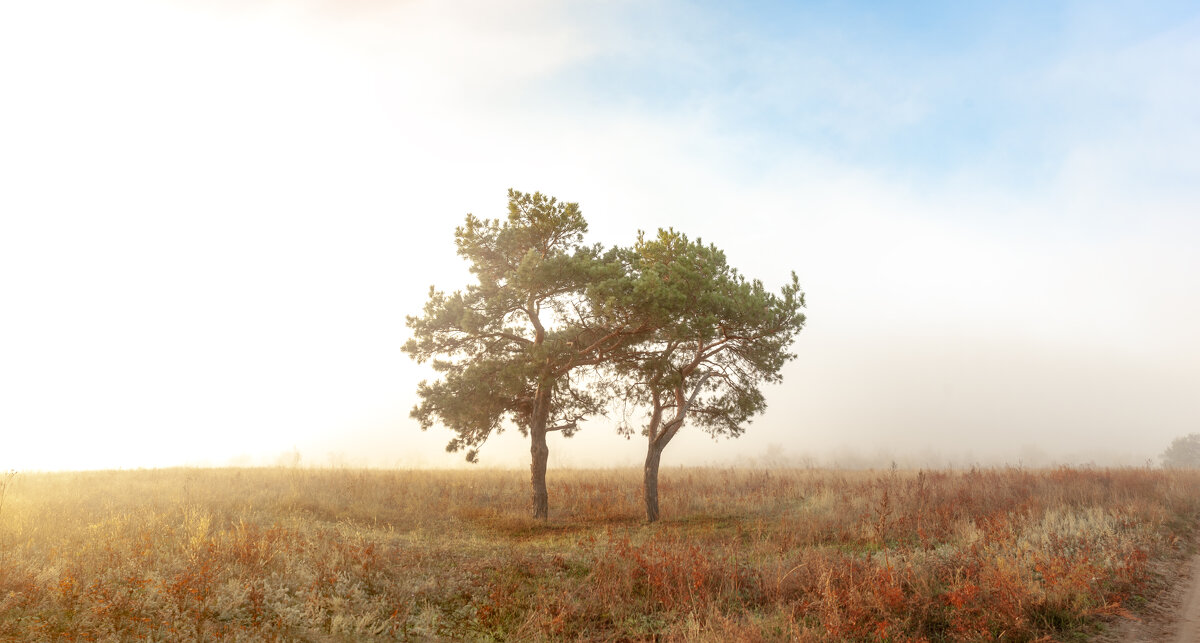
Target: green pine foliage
<point>718,336</point>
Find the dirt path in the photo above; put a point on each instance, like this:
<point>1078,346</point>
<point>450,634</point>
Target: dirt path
<point>1173,617</point>
<point>1188,628</point>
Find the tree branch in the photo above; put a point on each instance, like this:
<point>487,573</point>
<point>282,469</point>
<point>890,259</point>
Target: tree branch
<point>672,427</point>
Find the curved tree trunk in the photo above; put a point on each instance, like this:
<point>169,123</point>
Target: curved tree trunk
<point>660,435</point>
<point>650,482</point>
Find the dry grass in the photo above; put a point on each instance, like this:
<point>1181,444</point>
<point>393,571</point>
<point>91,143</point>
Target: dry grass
<point>344,555</point>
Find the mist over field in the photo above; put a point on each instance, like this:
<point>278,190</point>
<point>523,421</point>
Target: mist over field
<point>207,253</point>
<point>273,273</point>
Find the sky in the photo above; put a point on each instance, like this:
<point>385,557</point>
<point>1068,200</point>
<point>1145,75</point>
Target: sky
<point>216,215</point>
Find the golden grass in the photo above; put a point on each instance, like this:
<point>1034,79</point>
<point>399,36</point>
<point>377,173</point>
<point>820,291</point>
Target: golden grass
<point>811,555</point>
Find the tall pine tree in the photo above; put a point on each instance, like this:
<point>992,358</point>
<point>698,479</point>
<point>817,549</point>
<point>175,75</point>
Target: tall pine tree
<point>507,346</point>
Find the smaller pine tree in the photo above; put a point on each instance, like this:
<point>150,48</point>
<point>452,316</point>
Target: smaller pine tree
<point>1184,453</point>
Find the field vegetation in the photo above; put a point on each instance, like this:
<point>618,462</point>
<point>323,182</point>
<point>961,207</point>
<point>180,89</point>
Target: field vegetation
<point>806,555</point>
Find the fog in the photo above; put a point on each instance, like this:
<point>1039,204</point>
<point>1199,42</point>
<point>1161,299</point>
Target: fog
<point>207,253</point>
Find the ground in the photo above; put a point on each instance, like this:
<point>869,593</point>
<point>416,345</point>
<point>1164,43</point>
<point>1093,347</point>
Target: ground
<point>291,554</point>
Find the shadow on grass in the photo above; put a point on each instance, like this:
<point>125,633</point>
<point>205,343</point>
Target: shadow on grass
<point>525,528</point>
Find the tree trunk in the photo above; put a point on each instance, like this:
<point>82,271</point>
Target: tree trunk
<point>650,482</point>
<point>540,453</point>
<point>660,435</point>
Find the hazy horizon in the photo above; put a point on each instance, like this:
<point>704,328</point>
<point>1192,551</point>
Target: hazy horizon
<point>214,217</point>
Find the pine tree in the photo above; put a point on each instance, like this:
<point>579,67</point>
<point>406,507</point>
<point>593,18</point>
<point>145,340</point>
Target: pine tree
<point>507,346</point>
<point>717,338</point>
<point>1184,453</point>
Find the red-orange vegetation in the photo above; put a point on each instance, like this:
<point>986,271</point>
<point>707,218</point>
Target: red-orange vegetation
<point>809,555</point>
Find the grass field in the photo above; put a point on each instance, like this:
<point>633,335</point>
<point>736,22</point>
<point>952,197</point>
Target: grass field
<point>809,555</point>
